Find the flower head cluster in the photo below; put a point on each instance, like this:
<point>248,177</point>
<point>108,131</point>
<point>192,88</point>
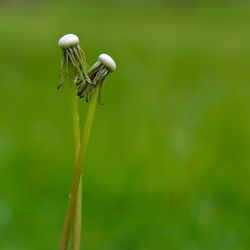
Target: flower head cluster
<point>85,79</point>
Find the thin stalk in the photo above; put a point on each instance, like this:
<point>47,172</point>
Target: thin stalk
<point>76,241</point>
<point>76,145</point>
<point>78,169</point>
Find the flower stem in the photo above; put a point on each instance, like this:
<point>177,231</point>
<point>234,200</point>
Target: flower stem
<point>76,243</point>
<point>78,169</point>
<point>76,139</point>
<point>76,144</point>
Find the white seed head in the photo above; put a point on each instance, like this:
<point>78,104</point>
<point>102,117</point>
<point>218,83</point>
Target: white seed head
<point>68,41</point>
<point>108,62</point>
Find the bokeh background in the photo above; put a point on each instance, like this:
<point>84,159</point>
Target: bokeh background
<point>168,160</point>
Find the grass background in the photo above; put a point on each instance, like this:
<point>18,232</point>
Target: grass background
<point>168,161</point>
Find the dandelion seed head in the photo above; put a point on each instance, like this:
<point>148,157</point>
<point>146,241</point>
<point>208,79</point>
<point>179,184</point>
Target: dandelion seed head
<point>108,62</point>
<point>68,41</point>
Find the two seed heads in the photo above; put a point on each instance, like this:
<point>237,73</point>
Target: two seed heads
<point>85,79</point>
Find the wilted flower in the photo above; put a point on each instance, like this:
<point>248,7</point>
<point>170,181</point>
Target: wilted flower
<point>97,73</point>
<point>72,54</point>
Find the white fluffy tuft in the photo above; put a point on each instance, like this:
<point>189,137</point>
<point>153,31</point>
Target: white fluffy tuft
<point>68,41</point>
<point>108,62</point>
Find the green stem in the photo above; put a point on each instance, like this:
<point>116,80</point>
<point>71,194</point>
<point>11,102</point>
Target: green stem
<point>76,138</point>
<point>76,243</point>
<point>76,144</point>
<point>78,169</point>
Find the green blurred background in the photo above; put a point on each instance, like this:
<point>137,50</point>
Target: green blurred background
<point>168,160</point>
